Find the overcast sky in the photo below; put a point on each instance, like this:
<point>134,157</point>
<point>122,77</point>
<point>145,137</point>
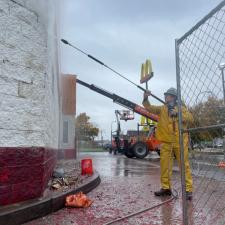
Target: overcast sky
<point>123,34</point>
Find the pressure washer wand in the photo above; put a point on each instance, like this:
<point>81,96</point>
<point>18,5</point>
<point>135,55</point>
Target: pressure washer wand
<point>103,64</point>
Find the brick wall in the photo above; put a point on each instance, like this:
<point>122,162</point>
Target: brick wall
<point>25,176</point>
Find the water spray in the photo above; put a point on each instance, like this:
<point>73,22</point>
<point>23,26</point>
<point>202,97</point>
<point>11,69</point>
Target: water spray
<point>110,68</point>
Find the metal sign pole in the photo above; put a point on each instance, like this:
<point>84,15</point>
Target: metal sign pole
<point>222,72</point>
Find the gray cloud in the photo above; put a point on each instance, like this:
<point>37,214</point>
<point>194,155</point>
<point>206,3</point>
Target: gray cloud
<point>123,34</point>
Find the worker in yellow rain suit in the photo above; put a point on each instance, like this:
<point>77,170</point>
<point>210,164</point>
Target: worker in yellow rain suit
<point>167,133</point>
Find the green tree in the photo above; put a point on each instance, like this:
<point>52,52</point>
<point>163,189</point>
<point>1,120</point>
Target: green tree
<point>85,130</point>
<point>210,112</point>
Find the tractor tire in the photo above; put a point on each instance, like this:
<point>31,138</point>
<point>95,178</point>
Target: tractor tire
<point>158,152</point>
<point>140,150</point>
<point>129,153</point>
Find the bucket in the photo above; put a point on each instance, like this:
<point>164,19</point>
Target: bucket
<point>86,167</point>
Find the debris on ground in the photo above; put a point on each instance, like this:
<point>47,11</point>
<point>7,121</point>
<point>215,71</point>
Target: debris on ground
<point>66,176</point>
<point>60,182</point>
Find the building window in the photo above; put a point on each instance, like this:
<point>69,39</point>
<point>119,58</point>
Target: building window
<point>65,132</point>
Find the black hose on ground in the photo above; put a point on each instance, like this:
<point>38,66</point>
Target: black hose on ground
<point>174,196</point>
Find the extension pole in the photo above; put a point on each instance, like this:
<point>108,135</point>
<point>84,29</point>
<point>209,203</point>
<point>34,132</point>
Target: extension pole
<point>114,71</point>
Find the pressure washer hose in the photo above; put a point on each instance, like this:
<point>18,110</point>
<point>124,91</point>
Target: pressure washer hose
<point>174,196</point>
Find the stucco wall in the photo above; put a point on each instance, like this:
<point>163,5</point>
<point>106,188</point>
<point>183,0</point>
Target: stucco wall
<point>29,73</point>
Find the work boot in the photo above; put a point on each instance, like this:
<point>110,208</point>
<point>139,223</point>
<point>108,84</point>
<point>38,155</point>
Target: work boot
<point>163,192</point>
<point>188,195</point>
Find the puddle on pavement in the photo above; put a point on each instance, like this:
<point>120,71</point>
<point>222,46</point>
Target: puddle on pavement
<point>110,165</point>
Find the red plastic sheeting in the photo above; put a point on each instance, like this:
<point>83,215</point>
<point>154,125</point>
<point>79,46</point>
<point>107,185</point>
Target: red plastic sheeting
<point>79,200</point>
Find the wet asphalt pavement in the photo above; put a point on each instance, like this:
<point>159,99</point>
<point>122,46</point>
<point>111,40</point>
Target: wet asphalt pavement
<point>128,186</point>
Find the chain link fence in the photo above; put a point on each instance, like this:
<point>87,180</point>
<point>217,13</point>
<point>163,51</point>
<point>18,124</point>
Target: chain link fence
<point>200,61</point>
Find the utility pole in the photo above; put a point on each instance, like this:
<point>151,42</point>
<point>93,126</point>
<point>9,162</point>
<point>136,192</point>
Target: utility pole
<point>222,67</point>
<point>101,138</point>
<point>112,131</point>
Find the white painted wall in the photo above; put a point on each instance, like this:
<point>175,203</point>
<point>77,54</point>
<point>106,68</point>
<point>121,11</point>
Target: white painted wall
<point>29,73</point>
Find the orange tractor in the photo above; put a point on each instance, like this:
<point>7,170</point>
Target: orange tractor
<point>136,143</point>
<point>142,147</point>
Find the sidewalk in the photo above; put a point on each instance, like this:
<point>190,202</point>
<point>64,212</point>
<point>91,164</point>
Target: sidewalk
<point>128,186</point>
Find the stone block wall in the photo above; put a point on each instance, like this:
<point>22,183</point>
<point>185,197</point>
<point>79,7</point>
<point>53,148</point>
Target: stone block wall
<point>29,102</point>
<point>29,97</point>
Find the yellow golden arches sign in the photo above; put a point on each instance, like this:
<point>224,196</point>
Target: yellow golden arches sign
<point>146,75</point>
<point>146,71</point>
<point>147,122</point>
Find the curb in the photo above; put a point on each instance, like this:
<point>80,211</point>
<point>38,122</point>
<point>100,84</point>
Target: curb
<point>35,209</point>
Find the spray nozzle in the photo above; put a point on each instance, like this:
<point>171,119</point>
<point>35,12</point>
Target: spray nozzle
<point>64,41</point>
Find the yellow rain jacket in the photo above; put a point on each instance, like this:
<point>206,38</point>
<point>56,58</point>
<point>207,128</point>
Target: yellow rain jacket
<point>165,128</point>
